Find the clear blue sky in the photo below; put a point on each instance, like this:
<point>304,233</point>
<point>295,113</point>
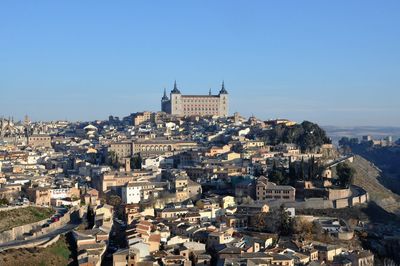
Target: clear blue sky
<point>333,62</point>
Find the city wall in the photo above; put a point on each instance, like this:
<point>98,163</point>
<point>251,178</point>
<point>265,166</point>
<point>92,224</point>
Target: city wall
<point>34,229</point>
<point>355,197</point>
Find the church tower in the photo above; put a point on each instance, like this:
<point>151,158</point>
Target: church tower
<point>223,101</point>
<point>165,103</point>
<point>176,101</point>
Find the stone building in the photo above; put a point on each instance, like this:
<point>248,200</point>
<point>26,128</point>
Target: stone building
<point>121,150</point>
<point>153,147</point>
<point>141,117</point>
<point>148,148</point>
<point>39,141</point>
<point>195,105</point>
<point>266,190</point>
<point>39,196</point>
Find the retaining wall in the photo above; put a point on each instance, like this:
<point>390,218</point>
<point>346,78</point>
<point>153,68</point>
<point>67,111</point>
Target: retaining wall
<point>320,203</point>
<point>17,233</point>
<point>50,242</point>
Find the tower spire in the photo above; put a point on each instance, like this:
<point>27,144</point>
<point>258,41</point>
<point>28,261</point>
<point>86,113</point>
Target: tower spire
<point>209,92</point>
<point>223,90</point>
<point>175,90</point>
<point>165,97</point>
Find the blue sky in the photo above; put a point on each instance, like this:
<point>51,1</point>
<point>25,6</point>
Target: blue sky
<point>332,62</point>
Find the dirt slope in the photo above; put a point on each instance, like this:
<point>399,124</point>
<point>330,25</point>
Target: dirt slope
<point>366,178</point>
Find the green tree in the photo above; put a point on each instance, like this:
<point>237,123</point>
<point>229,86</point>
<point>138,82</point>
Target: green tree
<point>306,135</point>
<point>292,173</point>
<point>115,200</point>
<point>136,161</point>
<point>90,217</point>
<point>113,160</point>
<point>258,170</point>
<point>277,175</point>
<point>302,171</point>
<point>345,174</point>
<point>285,222</point>
<point>4,201</point>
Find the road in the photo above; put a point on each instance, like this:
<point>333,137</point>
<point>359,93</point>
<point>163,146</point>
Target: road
<point>41,239</point>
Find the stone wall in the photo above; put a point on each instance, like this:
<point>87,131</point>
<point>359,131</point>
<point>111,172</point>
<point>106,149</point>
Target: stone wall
<point>9,208</point>
<point>341,203</point>
<point>334,194</point>
<point>17,233</point>
<point>359,196</point>
<point>345,235</point>
<point>50,242</point>
<point>312,203</point>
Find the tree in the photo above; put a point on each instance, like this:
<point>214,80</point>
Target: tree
<point>90,216</point>
<point>314,169</point>
<point>113,160</point>
<point>258,170</point>
<point>277,175</point>
<point>345,174</point>
<point>137,161</point>
<point>114,200</point>
<point>4,201</point>
<point>292,173</point>
<point>301,172</point>
<point>285,222</point>
<point>306,135</point>
<point>303,228</point>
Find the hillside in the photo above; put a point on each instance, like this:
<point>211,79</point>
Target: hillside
<point>367,178</point>
<point>306,135</point>
<point>21,216</point>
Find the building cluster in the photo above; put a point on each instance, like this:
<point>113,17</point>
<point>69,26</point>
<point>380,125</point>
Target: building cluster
<point>383,142</point>
<point>190,185</point>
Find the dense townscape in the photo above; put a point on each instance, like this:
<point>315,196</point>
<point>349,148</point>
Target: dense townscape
<point>191,187</point>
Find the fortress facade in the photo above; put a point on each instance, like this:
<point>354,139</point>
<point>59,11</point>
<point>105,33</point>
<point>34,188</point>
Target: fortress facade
<point>196,105</point>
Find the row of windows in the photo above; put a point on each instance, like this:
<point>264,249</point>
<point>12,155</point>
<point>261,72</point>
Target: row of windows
<point>276,197</point>
<point>155,148</point>
<point>277,191</point>
<point>200,109</point>
<point>200,100</point>
<point>43,138</point>
<point>200,106</point>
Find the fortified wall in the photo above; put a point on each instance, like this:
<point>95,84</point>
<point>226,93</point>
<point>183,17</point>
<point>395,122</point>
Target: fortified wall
<point>339,198</point>
<point>34,229</point>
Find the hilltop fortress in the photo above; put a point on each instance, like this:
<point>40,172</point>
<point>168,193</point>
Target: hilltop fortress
<point>191,105</point>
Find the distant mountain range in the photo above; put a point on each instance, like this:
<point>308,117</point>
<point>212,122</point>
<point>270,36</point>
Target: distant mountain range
<point>335,132</point>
